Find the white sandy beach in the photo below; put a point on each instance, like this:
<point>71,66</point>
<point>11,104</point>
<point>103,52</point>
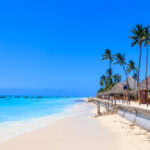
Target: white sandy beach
<point>83,132</point>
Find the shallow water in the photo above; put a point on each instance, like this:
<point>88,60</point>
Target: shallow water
<point>20,115</point>
<point>14,109</point>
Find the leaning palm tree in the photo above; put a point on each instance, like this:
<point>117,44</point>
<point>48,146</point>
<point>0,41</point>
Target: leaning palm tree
<point>108,56</point>
<point>121,60</point>
<point>146,43</point>
<point>138,39</point>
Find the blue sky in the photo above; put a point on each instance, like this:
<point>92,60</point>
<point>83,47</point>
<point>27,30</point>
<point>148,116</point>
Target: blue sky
<point>57,45</point>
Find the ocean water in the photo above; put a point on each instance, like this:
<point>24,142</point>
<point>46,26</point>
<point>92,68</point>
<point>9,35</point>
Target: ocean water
<point>23,114</point>
<point>14,109</point>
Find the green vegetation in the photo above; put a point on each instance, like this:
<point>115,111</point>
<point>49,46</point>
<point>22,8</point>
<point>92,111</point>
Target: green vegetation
<point>138,39</point>
<point>146,44</point>
<point>108,80</point>
<point>132,68</point>
<point>121,60</point>
<point>141,37</point>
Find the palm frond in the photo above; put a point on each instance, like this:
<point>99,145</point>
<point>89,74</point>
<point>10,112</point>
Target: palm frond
<point>130,66</point>
<point>107,55</point>
<point>134,43</point>
<point>120,59</point>
<point>138,35</point>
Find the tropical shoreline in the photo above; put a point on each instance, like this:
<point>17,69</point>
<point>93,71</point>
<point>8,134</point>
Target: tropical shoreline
<point>83,131</point>
<point>11,129</point>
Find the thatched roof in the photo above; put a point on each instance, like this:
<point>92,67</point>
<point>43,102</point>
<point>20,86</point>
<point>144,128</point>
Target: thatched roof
<point>117,89</point>
<point>132,82</point>
<point>143,84</point>
<point>103,94</point>
<point>134,91</point>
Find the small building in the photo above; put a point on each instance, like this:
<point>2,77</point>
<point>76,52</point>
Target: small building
<point>119,91</point>
<point>132,83</point>
<point>145,93</point>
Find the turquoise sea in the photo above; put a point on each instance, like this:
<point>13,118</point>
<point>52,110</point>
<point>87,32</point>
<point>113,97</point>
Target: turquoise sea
<point>22,108</point>
<point>24,114</point>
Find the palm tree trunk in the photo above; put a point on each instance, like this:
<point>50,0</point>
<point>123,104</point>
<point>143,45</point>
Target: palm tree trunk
<point>110,67</point>
<point>110,64</point>
<point>139,74</point>
<point>134,83</point>
<point>127,83</point>
<point>146,76</point>
<point>110,83</point>
<point>134,80</point>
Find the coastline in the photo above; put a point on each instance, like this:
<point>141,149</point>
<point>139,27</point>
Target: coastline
<point>11,129</point>
<point>83,132</point>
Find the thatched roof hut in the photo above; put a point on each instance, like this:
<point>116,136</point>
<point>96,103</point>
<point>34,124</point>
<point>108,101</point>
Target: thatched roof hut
<point>134,92</point>
<point>117,89</point>
<point>101,94</point>
<point>143,84</point>
<point>132,82</point>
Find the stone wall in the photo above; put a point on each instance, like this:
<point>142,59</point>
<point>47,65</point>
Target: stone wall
<point>138,116</point>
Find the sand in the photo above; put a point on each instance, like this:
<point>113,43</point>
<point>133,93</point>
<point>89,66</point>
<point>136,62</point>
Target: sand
<point>135,136</point>
<point>82,132</point>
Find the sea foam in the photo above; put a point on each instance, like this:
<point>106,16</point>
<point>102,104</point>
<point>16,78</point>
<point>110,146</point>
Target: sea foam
<point>11,129</point>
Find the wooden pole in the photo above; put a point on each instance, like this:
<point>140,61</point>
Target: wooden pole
<point>98,109</point>
<point>139,95</point>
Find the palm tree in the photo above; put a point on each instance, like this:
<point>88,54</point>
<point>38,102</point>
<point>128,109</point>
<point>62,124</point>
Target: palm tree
<point>109,72</point>
<point>121,60</point>
<point>103,77</point>
<point>138,38</point>
<point>116,78</point>
<point>103,80</point>
<point>135,78</point>
<point>109,81</point>
<point>100,90</point>
<point>107,56</point>
<point>147,42</point>
<point>101,83</point>
<point>131,67</point>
